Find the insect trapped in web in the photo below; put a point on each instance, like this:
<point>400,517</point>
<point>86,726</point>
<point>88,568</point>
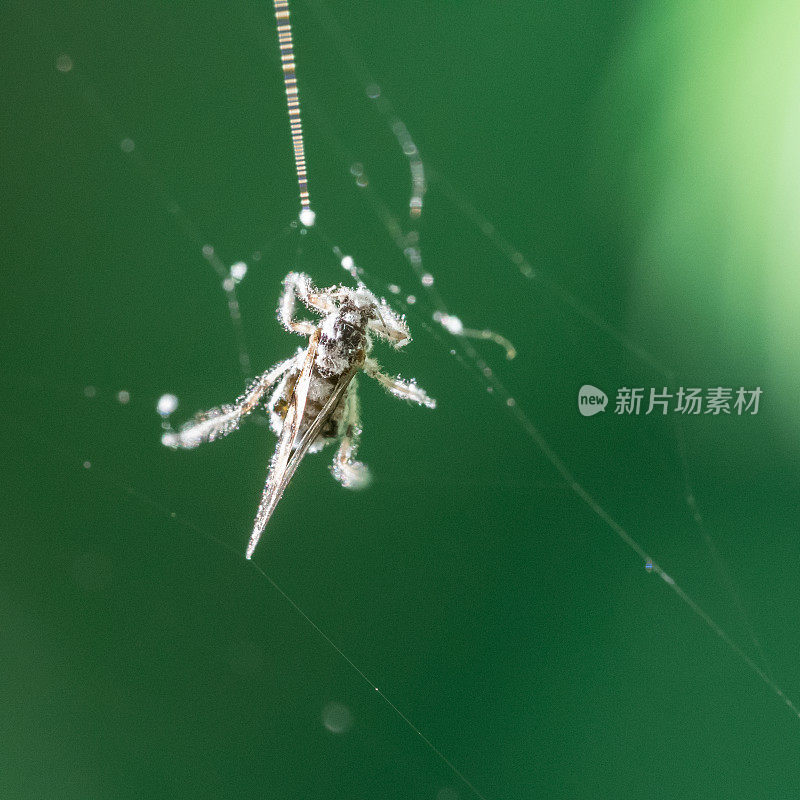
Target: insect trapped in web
<point>316,400</point>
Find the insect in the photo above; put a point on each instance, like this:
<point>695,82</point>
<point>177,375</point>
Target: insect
<point>315,401</point>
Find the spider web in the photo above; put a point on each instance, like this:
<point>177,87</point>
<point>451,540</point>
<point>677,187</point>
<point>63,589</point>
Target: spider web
<point>473,583</point>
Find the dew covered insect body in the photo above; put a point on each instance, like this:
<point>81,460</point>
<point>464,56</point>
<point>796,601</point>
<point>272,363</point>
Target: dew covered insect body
<point>315,399</point>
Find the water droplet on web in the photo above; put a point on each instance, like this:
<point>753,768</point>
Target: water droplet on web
<point>64,63</point>
<point>427,279</point>
<point>89,391</point>
<point>123,397</point>
<point>238,271</point>
<point>167,403</point>
<point>413,255</point>
<point>307,217</point>
<point>127,145</point>
<point>449,322</point>
<point>411,299</point>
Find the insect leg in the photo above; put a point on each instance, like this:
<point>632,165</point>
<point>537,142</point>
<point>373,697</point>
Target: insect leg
<point>390,326</point>
<point>297,285</point>
<point>407,390</point>
<point>220,421</point>
<point>350,473</point>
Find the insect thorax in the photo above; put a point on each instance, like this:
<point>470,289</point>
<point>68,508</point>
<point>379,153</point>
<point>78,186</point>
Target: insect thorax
<point>343,339</point>
<point>342,344</point>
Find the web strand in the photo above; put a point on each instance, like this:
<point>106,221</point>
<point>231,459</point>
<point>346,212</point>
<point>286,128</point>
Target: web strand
<point>189,526</point>
<point>408,244</point>
<point>288,65</point>
<point>522,417</point>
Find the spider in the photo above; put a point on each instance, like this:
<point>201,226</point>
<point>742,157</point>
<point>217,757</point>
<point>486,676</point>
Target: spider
<point>315,401</point>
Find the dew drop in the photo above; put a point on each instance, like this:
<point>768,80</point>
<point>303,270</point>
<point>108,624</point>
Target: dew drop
<point>238,271</point>
<point>167,403</point>
<point>450,323</point>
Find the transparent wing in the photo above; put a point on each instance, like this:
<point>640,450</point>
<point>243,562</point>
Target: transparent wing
<point>286,462</point>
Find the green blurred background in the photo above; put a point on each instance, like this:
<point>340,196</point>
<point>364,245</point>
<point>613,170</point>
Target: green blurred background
<point>644,158</point>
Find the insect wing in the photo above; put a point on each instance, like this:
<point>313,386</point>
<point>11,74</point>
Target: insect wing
<point>313,430</point>
<point>276,482</point>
